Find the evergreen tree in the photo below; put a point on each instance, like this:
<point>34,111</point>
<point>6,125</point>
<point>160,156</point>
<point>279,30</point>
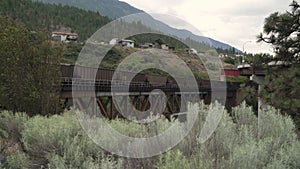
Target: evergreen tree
<point>282,84</point>
<point>30,70</point>
<point>283,32</point>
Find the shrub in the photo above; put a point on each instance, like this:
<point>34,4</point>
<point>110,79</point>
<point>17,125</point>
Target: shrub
<point>18,160</point>
<point>173,160</point>
<point>58,139</point>
<point>244,141</point>
<point>241,140</point>
<point>12,124</point>
<point>252,142</point>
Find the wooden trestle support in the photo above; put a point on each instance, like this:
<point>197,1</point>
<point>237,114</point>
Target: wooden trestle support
<point>110,106</point>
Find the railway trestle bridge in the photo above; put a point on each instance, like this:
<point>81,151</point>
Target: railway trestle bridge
<point>123,99</point>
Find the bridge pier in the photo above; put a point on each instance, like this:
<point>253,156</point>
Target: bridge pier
<point>258,76</point>
<point>260,80</point>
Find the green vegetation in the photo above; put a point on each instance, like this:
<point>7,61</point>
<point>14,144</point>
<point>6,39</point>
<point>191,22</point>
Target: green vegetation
<point>115,56</point>
<point>58,141</point>
<point>110,8</point>
<point>180,45</point>
<point>30,72</point>
<point>201,47</point>
<point>71,52</point>
<point>285,85</point>
<point>159,39</point>
<point>282,85</point>
<point>231,51</point>
<point>230,60</point>
<point>39,16</point>
<point>237,79</point>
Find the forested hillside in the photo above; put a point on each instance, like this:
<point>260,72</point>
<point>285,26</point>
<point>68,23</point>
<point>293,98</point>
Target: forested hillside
<point>40,16</point>
<point>111,8</point>
<point>116,9</point>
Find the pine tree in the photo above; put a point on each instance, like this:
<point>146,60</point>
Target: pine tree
<point>30,72</point>
<point>283,32</point>
<point>282,85</point>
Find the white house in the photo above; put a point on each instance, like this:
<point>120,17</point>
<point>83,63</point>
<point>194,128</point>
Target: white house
<point>191,51</point>
<point>64,36</point>
<point>127,43</point>
<point>164,46</point>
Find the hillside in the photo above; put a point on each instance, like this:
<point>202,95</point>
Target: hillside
<point>115,9</point>
<point>111,8</point>
<point>50,17</point>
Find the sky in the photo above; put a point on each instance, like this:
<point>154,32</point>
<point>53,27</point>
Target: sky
<point>235,22</point>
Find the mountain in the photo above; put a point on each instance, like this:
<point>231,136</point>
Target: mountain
<point>111,8</point>
<point>154,24</point>
<point>39,16</point>
<point>116,9</point>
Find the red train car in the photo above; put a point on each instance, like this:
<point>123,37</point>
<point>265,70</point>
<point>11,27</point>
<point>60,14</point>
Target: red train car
<point>231,72</point>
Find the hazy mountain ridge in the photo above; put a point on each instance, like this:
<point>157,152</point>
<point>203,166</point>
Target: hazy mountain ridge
<point>149,21</point>
<point>116,9</point>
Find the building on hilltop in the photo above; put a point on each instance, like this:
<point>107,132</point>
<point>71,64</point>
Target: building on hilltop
<point>64,37</point>
<point>123,42</point>
<point>164,47</point>
<point>126,43</point>
<point>191,51</point>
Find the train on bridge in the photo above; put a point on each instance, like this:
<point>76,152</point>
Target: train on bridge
<point>104,77</point>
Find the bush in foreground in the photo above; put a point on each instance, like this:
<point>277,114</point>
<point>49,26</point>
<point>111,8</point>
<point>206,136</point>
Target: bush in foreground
<point>240,141</point>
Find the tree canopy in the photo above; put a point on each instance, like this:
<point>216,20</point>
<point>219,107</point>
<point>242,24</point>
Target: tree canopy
<point>283,32</point>
<point>30,69</point>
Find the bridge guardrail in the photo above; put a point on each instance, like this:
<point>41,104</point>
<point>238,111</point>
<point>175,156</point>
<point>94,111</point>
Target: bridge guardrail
<point>69,84</point>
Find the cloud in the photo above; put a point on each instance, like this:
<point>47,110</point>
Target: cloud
<point>155,6</point>
<point>231,21</point>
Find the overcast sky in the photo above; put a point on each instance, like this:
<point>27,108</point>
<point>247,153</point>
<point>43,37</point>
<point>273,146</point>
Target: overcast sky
<point>235,22</point>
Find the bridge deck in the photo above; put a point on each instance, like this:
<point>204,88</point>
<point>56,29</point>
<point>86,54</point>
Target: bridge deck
<point>81,85</point>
